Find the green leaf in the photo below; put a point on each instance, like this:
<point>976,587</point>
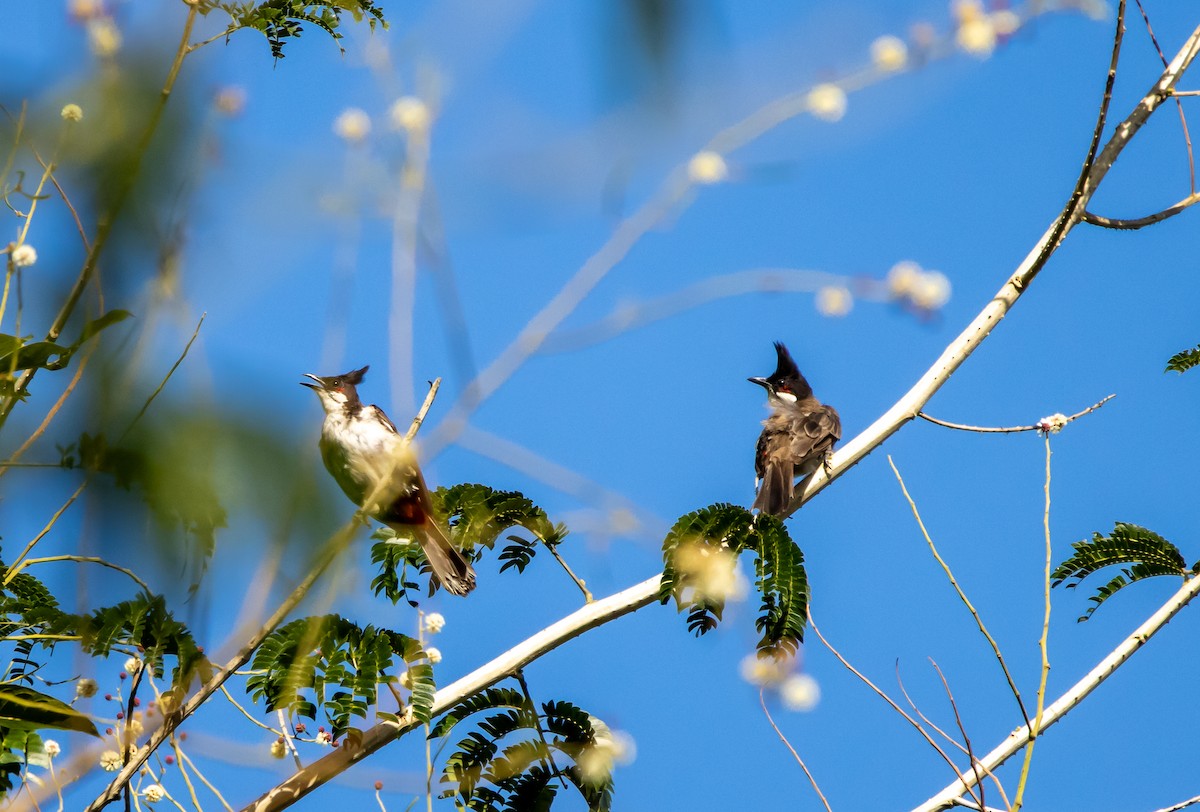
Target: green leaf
<point>487,699</point>
<point>281,20</point>
<point>48,354</point>
<point>477,516</point>
<point>1146,553</point>
<point>23,708</point>
<point>695,550</point>
<point>330,664</point>
<point>1183,361</point>
<point>783,585</point>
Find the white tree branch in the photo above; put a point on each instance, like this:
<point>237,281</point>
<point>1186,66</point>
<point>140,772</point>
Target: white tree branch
<point>1078,692</point>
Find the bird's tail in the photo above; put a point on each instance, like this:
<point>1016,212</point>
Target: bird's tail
<point>450,566</point>
<point>775,492</point>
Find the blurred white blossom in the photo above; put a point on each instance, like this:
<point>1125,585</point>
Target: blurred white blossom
<point>410,113</point>
<point>104,36</point>
<point>72,112</point>
<point>352,125</point>
<point>434,655</point>
<point>828,102</point>
<point>800,692</point>
<point>154,793</point>
<point>51,747</point>
<point>433,623</point>
<point>834,300</point>
<point>23,255</point>
<point>889,53</point>
<point>707,167</point>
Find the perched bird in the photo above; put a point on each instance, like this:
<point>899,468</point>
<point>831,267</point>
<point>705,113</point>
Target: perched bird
<point>370,460</point>
<point>797,437</point>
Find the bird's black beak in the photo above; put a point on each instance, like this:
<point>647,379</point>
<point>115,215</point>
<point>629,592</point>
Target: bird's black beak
<point>318,385</point>
<point>763,382</point>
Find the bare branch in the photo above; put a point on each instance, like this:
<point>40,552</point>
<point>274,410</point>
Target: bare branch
<point>1040,426</point>
<point>1141,222</point>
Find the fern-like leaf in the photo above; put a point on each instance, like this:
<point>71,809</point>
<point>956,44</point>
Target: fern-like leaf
<point>698,555</point>
<point>1183,361</point>
<point>1145,554</point>
<point>281,20</point>
<point>783,585</point>
<point>330,664</point>
<point>477,516</point>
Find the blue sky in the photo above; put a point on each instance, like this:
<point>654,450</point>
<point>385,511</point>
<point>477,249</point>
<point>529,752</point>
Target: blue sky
<point>545,139</point>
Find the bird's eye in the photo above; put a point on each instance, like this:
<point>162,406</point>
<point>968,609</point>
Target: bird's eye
<point>337,383</point>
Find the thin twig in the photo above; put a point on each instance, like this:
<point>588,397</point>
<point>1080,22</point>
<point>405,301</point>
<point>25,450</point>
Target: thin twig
<point>288,741</point>
<point>1043,647</point>
<point>1012,429</point>
<point>1142,222</point>
<point>974,762</point>
<point>1012,685</point>
<point>879,692</point>
<point>53,411</point>
<point>537,718</point>
<point>420,418</point>
<point>923,717</point>
<point>18,563</point>
<point>204,780</point>
<point>579,582</point>
<point>763,702</point>
<point>1187,136</point>
<point>166,378</point>
<point>88,559</point>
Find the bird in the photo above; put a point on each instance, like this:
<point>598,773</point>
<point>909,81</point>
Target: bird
<point>370,460</point>
<point>798,437</point>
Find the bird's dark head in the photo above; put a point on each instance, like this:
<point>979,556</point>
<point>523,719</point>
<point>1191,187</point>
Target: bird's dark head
<point>337,391</point>
<point>785,384</point>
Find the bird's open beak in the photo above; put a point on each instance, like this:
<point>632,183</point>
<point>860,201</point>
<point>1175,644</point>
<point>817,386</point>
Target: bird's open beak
<point>317,386</point>
<point>763,382</point>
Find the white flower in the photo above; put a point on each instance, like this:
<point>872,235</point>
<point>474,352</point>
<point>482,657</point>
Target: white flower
<point>707,167</point>
<point>710,571</point>
<point>406,680</point>
<point>434,622</point>
<point>278,749</point>
<point>23,255</point>
<point>434,655</point>
<point>834,300</point>
<point>86,688</point>
<point>977,37</point>
<point>85,9</point>
<point>103,36</point>
<point>1052,424</point>
<point>230,100</point>
<point>902,278</point>
<point>764,670</point>
<point>827,102</point>
<point>889,53</point>
<point>608,748</point>
<point>72,112</point>
<point>931,290</point>
<point>132,666</point>
<point>352,125</point>
<point>410,113</point>
<point>110,760</point>
<point>800,692</point>
<point>51,747</point>
<point>154,793</point>
<point>324,737</point>
<point>1006,22</point>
